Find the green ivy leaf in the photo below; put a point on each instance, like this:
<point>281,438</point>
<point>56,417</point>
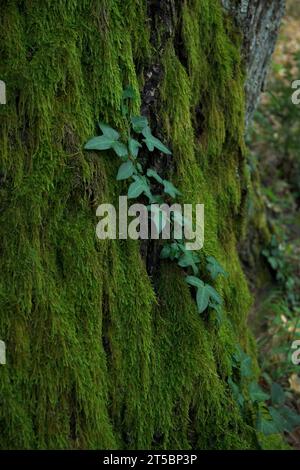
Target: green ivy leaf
<point>138,187</point>
<point>256,393</point>
<point>109,132</point>
<point>153,174</point>
<point>170,189</point>
<point>277,394</point>
<point>134,147</point>
<point>152,142</point>
<point>171,251</point>
<point>246,366</point>
<point>290,416</point>
<point>187,259</point>
<point>236,392</point>
<point>120,149</point>
<point>214,267</point>
<point>125,170</point>
<point>213,294</point>
<point>194,281</point>
<point>202,298</point>
<point>139,123</point>
<point>266,426</point>
<point>280,422</point>
<point>99,143</point>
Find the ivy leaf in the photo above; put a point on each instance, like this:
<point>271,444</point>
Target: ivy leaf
<point>120,149</point>
<point>246,366</point>
<point>138,187</point>
<point>256,393</point>
<point>99,143</point>
<point>219,313</point>
<point>170,189</point>
<point>134,146</point>
<point>135,190</point>
<point>236,392</point>
<point>202,298</point>
<point>153,174</point>
<point>139,123</point>
<point>109,132</point>
<point>214,267</point>
<point>171,251</point>
<point>152,142</point>
<point>187,259</point>
<point>213,294</point>
<point>165,252</point>
<point>277,394</point>
<point>125,171</point>
<point>280,422</point>
<point>292,417</point>
<point>266,426</point>
<point>194,281</point>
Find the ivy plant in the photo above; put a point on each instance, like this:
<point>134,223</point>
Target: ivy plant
<point>140,184</point>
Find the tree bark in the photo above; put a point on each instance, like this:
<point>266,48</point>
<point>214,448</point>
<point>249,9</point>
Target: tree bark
<point>259,22</point>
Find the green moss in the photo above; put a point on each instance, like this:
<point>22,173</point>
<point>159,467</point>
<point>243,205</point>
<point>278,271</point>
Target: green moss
<point>96,357</point>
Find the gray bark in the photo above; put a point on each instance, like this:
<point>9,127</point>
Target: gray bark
<point>259,21</point>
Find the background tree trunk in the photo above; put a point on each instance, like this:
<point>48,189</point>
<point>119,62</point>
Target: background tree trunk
<point>105,348</point>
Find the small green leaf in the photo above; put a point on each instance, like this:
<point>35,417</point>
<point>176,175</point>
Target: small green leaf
<point>134,146</point>
<point>256,393</point>
<point>99,143</point>
<point>246,366</point>
<point>280,422</point>
<point>139,167</point>
<point>139,123</point>
<point>135,190</point>
<point>152,142</point>
<point>170,189</point>
<point>277,394</point>
<point>236,392</point>
<point>187,259</point>
<point>266,426</point>
<point>153,174</point>
<point>202,298</point>
<point>171,251</point>
<point>109,131</point>
<point>194,281</point>
<point>138,187</point>
<point>120,149</point>
<point>125,170</point>
<point>165,252</point>
<point>213,294</point>
<point>290,416</point>
<point>214,267</point>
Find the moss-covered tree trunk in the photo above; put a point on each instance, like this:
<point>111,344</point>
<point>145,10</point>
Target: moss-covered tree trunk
<point>105,347</point>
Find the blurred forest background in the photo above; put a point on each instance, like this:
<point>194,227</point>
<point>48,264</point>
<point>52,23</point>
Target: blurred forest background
<point>274,141</point>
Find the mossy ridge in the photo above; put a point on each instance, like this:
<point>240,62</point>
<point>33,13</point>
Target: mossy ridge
<point>158,378</point>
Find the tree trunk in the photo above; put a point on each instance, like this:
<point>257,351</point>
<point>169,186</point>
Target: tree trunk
<point>105,347</point>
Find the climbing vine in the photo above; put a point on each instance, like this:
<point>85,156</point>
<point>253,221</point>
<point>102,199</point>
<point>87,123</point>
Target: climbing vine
<point>138,134</point>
